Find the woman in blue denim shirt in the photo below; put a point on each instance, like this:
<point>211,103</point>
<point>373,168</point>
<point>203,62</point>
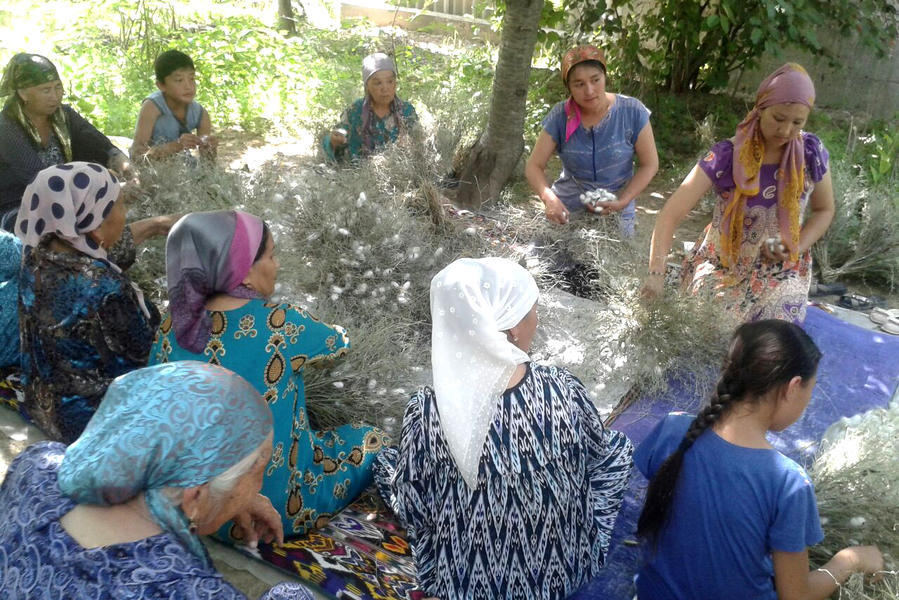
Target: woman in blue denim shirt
<point>596,134</point>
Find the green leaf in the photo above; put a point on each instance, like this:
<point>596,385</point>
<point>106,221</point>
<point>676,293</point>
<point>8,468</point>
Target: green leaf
<point>727,10</point>
<point>711,21</point>
<point>756,35</point>
<point>725,24</point>
<point>812,39</point>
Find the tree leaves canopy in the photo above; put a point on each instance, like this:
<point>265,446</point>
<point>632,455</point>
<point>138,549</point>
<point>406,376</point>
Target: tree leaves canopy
<point>696,44</point>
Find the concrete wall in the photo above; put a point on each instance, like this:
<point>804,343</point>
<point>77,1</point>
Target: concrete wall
<point>862,83</point>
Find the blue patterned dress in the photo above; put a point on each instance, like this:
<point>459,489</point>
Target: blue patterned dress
<point>81,327</point>
<point>312,474</point>
<point>39,560</point>
<point>550,483</point>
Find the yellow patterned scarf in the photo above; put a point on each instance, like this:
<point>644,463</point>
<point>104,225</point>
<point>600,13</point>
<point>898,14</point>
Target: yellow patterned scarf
<point>58,123</point>
<point>788,84</point>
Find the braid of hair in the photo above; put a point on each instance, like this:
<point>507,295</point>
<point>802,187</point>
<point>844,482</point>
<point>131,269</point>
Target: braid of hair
<point>762,356</point>
<point>660,494</point>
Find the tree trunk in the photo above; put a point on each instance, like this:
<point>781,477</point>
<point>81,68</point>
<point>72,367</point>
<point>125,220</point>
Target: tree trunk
<point>496,153</point>
<point>287,21</point>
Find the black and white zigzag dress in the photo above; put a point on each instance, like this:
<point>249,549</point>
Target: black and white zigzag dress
<point>550,483</point>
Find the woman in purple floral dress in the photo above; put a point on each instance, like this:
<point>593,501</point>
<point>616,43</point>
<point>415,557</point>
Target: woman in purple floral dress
<point>754,257</point>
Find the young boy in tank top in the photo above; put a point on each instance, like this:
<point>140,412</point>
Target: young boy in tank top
<point>170,120</point>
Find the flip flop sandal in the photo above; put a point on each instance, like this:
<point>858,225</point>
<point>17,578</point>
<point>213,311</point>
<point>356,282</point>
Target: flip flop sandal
<point>856,302</point>
<point>827,289</point>
<point>891,326</point>
<point>882,315</point>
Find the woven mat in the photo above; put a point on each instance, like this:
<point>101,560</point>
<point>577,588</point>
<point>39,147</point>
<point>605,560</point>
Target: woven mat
<point>361,554</point>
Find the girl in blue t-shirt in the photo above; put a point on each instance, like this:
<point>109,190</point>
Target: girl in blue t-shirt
<point>726,515</point>
<point>596,134</point>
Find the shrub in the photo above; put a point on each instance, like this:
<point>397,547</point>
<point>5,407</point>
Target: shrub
<point>856,478</point>
<point>863,239</point>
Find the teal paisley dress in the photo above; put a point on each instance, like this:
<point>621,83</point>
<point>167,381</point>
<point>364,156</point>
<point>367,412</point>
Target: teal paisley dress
<point>312,474</point>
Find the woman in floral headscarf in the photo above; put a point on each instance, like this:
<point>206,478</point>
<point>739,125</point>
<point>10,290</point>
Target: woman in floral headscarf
<point>37,131</point>
<point>596,134</point>
<point>172,452</point>
<point>505,476</point>
<point>755,254</point>
<point>371,122</point>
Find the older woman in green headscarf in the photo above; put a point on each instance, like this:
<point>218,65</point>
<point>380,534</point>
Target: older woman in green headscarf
<point>38,131</point>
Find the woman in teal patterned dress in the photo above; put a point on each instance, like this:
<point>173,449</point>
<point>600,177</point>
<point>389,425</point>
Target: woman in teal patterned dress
<point>372,122</point>
<point>221,268</point>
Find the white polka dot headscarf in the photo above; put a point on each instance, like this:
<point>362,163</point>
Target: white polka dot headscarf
<point>69,201</point>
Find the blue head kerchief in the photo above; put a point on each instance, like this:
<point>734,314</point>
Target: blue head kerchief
<point>172,425</point>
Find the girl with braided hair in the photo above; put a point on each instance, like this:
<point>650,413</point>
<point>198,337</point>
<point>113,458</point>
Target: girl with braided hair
<point>726,515</point>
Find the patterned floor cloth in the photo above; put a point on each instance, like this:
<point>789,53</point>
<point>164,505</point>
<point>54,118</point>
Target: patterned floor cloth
<point>362,554</point>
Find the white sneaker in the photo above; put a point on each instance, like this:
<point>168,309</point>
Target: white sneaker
<point>882,315</point>
<point>891,325</point>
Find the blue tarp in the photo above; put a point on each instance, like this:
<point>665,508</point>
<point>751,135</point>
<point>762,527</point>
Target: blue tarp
<point>859,371</point>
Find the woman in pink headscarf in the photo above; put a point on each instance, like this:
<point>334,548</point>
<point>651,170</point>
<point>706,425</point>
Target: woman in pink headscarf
<point>755,254</point>
<point>597,134</point>
<point>222,269</point>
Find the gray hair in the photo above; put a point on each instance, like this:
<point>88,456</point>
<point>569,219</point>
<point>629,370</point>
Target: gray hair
<point>221,484</point>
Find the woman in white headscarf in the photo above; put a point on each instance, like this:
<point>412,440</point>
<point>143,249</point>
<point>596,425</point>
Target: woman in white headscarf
<point>505,476</point>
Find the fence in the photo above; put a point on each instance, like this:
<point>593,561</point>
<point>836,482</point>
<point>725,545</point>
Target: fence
<point>477,9</point>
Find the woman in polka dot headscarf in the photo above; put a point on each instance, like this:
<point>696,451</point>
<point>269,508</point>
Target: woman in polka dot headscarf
<point>82,321</point>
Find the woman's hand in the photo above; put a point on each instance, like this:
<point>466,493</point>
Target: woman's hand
<point>774,251</point>
<point>653,286</point>
<point>163,224</point>
<point>338,138</point>
<point>865,559</point>
<point>555,210</point>
<point>260,521</point>
<point>151,227</point>
<point>129,173</point>
<point>793,579</point>
<point>122,168</point>
<point>607,208</point>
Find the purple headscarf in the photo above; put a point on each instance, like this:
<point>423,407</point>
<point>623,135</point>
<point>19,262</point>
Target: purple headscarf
<point>208,253</point>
